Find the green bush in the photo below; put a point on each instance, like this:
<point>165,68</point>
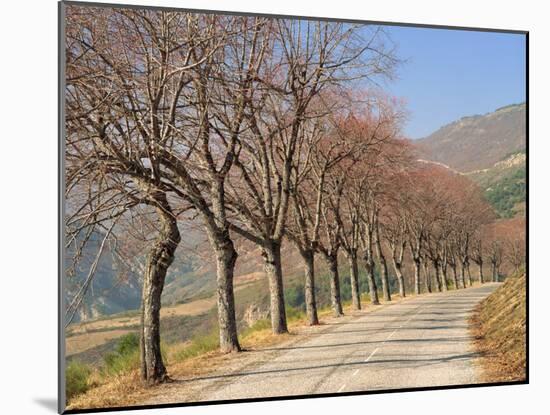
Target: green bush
<point>295,296</point>
<point>125,357</point>
<point>76,378</point>
<point>127,344</point>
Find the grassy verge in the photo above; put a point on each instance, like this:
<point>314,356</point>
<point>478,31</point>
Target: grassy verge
<point>499,326</point>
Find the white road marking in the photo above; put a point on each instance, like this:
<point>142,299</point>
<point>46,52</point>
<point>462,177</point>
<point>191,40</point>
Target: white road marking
<point>372,354</point>
<point>342,388</point>
<point>405,323</point>
<point>356,372</point>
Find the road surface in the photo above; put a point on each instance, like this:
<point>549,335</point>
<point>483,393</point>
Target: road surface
<point>420,341</point>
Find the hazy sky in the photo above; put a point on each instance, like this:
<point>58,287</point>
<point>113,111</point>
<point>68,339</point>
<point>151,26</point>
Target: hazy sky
<point>451,73</point>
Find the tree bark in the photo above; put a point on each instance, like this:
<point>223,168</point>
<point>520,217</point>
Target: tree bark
<point>160,257</point>
<point>226,256</point>
<point>417,276</point>
<point>397,266</point>
<point>308,257</point>
<point>437,276</point>
<point>455,277</point>
<point>444,276</point>
<point>354,276</point>
<point>441,277</point>
<point>462,275</point>
<point>469,274</point>
<point>383,269</point>
<point>494,271</point>
<point>427,276</point>
<point>335,298</point>
<point>481,278</point>
<point>373,290</point>
<point>273,269</point>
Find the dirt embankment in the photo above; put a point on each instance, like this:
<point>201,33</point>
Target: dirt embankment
<point>499,325</point>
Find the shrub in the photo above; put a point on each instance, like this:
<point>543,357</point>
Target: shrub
<point>295,297</point>
<point>76,378</point>
<point>127,344</point>
<point>125,357</point>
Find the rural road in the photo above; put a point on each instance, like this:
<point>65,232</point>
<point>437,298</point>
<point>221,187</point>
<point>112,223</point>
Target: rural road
<point>421,341</point>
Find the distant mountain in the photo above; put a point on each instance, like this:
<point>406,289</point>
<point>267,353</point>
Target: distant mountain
<point>113,289</point>
<point>479,141</point>
<point>116,289</point>
<point>505,185</point>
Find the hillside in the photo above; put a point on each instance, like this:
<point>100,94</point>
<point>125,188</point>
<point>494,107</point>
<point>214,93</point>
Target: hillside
<point>479,141</point>
<point>113,289</point>
<point>500,329</point>
<point>505,185</point>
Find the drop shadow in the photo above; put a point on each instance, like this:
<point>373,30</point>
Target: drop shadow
<point>48,403</point>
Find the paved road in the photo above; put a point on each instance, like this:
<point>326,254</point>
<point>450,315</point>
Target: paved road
<point>422,341</point>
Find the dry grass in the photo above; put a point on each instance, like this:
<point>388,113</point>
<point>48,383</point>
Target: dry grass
<point>84,336</point>
<point>499,325</point>
<point>193,308</point>
<point>82,342</point>
<point>122,390</point>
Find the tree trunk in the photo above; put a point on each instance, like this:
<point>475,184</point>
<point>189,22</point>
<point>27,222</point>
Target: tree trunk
<point>160,257</point>
<point>437,276</point>
<point>417,276</point>
<point>273,269</point>
<point>462,275</point>
<point>455,277</point>
<point>383,268</point>
<point>400,280</point>
<point>373,290</point>
<point>335,286</point>
<point>469,274</point>
<point>444,276</point>
<point>226,257</point>
<point>354,276</point>
<point>480,265</point>
<point>441,277</point>
<point>494,271</point>
<point>427,276</point>
<point>309,288</point>
<point>217,229</point>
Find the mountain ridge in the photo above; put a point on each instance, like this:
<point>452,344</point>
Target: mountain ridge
<point>476,142</point>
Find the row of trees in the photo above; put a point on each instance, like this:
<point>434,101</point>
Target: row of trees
<point>260,129</point>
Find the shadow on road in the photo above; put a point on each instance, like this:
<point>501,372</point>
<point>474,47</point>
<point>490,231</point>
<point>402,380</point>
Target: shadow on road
<point>396,341</point>
<point>415,362</point>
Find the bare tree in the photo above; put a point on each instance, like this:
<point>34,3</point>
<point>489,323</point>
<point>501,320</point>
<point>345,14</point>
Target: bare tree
<point>114,124</point>
<point>515,252</point>
<point>308,57</point>
<point>452,260</point>
<point>495,253</point>
<point>329,245</point>
<point>396,239</point>
<point>326,145</point>
<point>153,85</point>
<point>477,255</point>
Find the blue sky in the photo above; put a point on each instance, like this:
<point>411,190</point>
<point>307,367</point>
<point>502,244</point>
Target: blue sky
<point>451,73</point>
